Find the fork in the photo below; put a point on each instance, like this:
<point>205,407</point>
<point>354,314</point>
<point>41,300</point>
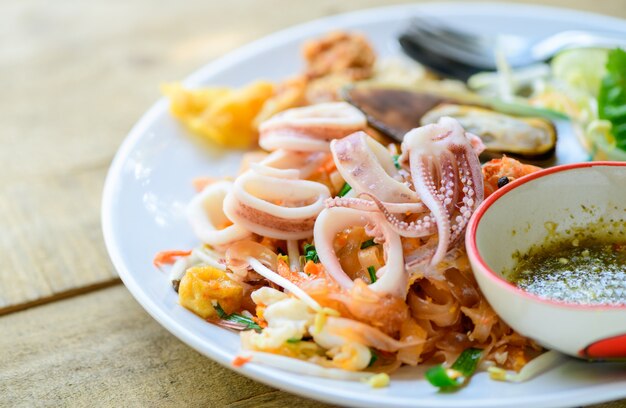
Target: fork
<point>460,54</point>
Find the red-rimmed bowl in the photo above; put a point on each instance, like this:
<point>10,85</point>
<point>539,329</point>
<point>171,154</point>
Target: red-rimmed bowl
<point>515,218</point>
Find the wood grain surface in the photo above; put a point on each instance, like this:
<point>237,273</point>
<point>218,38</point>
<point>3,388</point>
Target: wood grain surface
<point>103,349</point>
<point>75,76</point>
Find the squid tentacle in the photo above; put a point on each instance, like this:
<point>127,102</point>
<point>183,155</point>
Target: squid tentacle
<point>367,205</point>
<point>421,227</point>
<point>446,174</point>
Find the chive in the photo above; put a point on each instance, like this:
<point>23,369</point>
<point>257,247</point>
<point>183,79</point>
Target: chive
<point>236,318</point>
<point>396,162</point>
<point>372,271</point>
<point>448,379</point>
<point>220,312</point>
<point>310,253</point>
<point>344,190</point>
<point>244,320</point>
<point>373,358</point>
<point>368,243</point>
<point>293,341</point>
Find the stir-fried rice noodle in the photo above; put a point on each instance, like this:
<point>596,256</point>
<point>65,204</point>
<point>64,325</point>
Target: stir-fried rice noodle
<point>442,314</point>
<point>331,314</point>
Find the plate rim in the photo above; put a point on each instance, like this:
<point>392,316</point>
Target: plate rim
<point>275,377</point>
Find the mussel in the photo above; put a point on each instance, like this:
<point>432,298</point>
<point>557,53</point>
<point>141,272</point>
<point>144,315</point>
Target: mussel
<point>395,110</point>
<point>528,137</point>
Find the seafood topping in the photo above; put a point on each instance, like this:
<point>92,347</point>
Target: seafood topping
<point>447,175</point>
<point>310,128</point>
<point>393,111</point>
<point>530,137</point>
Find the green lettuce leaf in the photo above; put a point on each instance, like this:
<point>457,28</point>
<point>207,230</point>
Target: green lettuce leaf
<point>612,96</point>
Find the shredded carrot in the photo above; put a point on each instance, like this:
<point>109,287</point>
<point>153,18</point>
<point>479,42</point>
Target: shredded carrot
<point>240,360</point>
<point>260,322</point>
<point>341,240</point>
<point>168,257</point>
<point>328,166</point>
<point>260,310</point>
<point>199,183</point>
<point>314,269</point>
<point>285,271</point>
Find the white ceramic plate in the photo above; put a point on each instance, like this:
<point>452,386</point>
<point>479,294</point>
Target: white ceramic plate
<point>149,183</point>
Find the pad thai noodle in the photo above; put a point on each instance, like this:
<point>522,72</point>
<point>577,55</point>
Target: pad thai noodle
<point>336,253</point>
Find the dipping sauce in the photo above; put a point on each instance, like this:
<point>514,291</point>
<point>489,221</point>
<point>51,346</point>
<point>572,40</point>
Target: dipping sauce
<point>585,271</point>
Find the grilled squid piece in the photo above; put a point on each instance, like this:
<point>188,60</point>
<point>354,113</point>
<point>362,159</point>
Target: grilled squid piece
<point>275,203</point>
<point>305,162</point>
<point>311,128</point>
<point>446,174</point>
<point>391,277</point>
<point>368,167</point>
<point>207,218</point>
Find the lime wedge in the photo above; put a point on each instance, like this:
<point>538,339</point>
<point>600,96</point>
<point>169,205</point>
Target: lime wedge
<point>582,68</point>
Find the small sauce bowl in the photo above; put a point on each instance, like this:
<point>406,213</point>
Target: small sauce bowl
<point>523,214</point>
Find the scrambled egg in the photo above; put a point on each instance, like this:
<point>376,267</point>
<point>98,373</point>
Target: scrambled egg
<point>203,285</point>
<point>287,319</point>
<point>345,354</point>
<point>224,116</point>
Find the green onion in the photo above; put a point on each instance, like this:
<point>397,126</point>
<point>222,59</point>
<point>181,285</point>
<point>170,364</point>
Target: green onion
<point>344,190</point>
<point>310,253</point>
<point>448,379</point>
<point>246,321</point>
<point>373,358</point>
<point>293,341</point>
<point>372,271</point>
<point>236,318</point>
<point>220,312</point>
<point>396,162</point>
<point>368,243</point>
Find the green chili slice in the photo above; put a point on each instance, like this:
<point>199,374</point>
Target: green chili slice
<point>344,190</point>
<point>396,162</point>
<point>458,374</point>
<point>373,358</point>
<point>372,271</point>
<point>368,243</point>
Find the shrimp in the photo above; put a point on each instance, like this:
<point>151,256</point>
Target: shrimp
<point>512,169</point>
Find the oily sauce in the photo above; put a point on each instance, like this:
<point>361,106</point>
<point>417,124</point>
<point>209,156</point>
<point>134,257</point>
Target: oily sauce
<point>575,271</point>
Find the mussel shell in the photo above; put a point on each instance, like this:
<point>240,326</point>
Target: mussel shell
<point>393,110</point>
<point>501,133</point>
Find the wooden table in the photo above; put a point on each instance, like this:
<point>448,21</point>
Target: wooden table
<point>74,77</point>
